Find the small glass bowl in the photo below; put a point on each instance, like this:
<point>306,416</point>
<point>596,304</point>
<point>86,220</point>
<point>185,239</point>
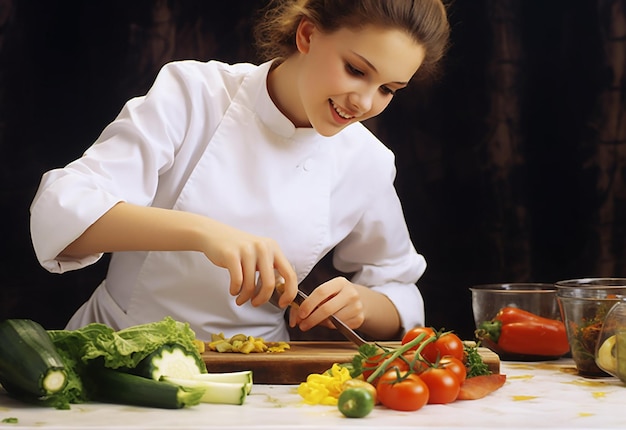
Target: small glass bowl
<point>585,304</point>
<point>537,298</point>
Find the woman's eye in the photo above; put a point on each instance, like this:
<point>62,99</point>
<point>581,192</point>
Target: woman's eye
<point>353,70</point>
<point>387,91</point>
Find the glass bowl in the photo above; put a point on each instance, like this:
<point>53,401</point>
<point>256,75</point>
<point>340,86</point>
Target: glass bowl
<point>489,300</point>
<point>585,304</point>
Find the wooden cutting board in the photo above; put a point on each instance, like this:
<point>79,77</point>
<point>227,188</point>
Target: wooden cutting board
<point>303,358</point>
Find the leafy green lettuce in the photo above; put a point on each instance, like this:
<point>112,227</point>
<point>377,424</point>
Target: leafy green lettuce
<point>99,344</point>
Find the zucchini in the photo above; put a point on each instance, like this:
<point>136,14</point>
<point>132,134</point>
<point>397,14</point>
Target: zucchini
<point>214,392</point>
<point>115,386</point>
<point>30,365</point>
<point>240,377</point>
<point>171,360</point>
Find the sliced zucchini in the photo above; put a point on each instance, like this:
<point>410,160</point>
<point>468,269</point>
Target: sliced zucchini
<point>242,377</point>
<point>215,392</point>
<point>29,362</point>
<point>171,360</point>
<point>114,386</point>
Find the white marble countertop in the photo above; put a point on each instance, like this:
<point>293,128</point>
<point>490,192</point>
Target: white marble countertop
<point>536,395</point>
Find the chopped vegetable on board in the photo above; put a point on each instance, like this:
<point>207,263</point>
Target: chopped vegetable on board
<point>244,344</point>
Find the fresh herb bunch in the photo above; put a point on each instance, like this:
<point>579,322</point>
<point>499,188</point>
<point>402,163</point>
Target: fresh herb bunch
<point>474,362</point>
<point>365,351</point>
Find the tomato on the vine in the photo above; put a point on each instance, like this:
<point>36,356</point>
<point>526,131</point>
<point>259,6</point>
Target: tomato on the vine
<point>408,393</point>
<point>446,344</point>
<point>415,332</point>
<point>370,364</point>
<point>443,385</point>
<point>414,363</point>
<point>455,366</point>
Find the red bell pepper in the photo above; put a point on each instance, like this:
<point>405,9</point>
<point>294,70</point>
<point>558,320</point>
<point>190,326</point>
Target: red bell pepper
<point>517,331</point>
<point>479,386</point>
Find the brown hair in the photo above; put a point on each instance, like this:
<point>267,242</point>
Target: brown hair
<point>424,20</point>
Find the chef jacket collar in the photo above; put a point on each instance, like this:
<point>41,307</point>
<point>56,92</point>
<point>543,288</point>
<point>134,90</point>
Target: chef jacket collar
<point>268,112</point>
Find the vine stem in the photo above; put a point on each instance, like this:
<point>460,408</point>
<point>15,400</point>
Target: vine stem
<point>399,351</point>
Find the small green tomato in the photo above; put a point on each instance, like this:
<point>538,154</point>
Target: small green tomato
<point>356,402</point>
<point>360,383</point>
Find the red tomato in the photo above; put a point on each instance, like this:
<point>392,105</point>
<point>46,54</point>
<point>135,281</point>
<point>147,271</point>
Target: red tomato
<point>408,394</point>
<point>446,344</point>
<point>443,385</point>
<point>455,366</point>
<point>415,332</point>
<point>370,364</point>
<point>417,365</point>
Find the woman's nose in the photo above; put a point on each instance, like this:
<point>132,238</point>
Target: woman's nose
<point>361,100</point>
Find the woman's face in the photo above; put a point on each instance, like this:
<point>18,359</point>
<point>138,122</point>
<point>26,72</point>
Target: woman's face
<point>351,75</point>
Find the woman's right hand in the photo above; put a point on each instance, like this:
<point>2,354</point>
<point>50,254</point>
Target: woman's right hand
<point>243,255</point>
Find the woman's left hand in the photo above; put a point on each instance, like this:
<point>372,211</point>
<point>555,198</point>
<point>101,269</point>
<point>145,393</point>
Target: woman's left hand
<point>337,296</point>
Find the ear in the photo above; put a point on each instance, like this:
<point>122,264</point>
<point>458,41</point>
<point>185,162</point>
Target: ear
<point>303,35</point>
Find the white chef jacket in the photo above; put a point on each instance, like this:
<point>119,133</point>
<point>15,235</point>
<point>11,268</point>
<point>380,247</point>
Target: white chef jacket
<point>208,139</point>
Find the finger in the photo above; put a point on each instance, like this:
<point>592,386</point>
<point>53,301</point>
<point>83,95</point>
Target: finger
<point>350,311</point>
<point>236,278</point>
<point>319,302</point>
<point>290,277</point>
<point>330,298</point>
<point>293,317</point>
<point>248,285</point>
<point>266,282</point>
<point>305,324</point>
<point>310,320</point>
<point>328,324</point>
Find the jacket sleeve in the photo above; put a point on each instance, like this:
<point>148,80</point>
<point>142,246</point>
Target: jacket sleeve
<point>380,253</point>
<point>124,164</point>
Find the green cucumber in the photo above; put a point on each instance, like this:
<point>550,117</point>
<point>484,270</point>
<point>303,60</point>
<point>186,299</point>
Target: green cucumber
<point>114,386</point>
<point>30,365</point>
<point>214,392</point>
<point>171,360</point>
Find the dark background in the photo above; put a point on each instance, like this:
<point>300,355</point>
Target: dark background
<point>510,167</point>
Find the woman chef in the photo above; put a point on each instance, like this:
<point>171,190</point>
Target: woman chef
<point>222,174</point>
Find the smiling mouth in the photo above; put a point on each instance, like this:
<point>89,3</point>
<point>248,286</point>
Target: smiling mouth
<point>340,111</point>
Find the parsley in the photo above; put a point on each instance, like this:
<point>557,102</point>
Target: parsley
<point>365,351</point>
<point>474,362</point>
